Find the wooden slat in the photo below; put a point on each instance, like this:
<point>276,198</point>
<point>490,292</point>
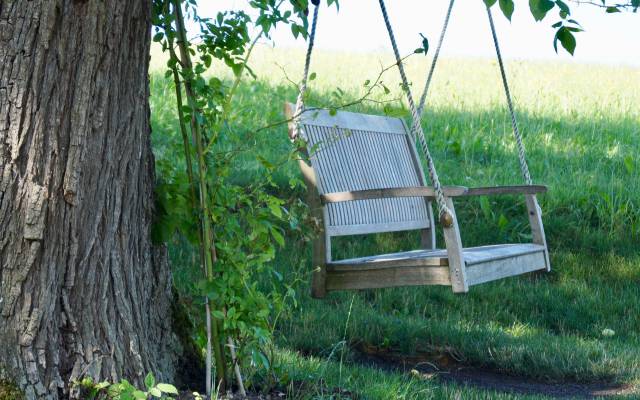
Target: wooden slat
<point>408,258</point>
<point>537,229</point>
<point>506,267</point>
<point>387,277</point>
<point>430,267</point>
<point>363,229</point>
<point>353,121</point>
<point>416,191</point>
<point>439,257</point>
<point>477,255</point>
<point>457,267</point>
<point>498,190</point>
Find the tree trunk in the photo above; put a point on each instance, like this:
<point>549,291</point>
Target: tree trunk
<point>83,292</point>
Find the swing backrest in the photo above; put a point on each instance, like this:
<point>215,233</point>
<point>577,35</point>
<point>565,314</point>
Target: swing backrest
<point>351,151</point>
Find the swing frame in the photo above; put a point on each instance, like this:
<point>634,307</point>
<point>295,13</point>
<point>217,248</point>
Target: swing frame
<point>456,266</point>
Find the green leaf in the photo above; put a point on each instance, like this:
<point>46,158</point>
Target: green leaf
<point>149,381</point>
<point>276,210</point>
<point>155,392</point>
<point>206,58</point>
<point>237,69</point>
<point>628,164</point>
<point>126,396</point>
<point>540,8</point>
<point>217,314</point>
<point>158,37</point>
<point>166,388</point>
<point>277,236</point>
<point>507,8</point>
<point>567,40</point>
<point>612,10</point>
<point>563,7</point>
<point>266,163</point>
<point>485,206</point>
<point>312,76</point>
<point>425,44</point>
<point>139,395</point>
<point>502,222</point>
<point>489,3</point>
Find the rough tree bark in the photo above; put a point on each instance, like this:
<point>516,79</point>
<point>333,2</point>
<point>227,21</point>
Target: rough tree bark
<point>83,292</point>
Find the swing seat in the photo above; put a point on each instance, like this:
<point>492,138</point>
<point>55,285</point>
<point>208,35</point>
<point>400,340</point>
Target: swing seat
<point>364,176</point>
<point>431,267</point>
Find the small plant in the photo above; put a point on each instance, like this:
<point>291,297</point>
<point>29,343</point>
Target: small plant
<point>9,391</point>
<point>124,390</point>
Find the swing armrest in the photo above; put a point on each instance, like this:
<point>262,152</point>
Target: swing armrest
<point>427,191</point>
<point>410,191</point>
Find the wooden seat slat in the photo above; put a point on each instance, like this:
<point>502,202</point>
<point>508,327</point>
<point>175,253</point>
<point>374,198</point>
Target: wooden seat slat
<point>472,256</point>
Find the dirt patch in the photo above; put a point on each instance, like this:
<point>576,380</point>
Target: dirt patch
<point>444,365</point>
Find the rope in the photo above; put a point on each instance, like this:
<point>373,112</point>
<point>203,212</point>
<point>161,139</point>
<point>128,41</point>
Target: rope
<point>423,98</point>
<point>444,212</point>
<point>305,74</point>
<point>516,132</point>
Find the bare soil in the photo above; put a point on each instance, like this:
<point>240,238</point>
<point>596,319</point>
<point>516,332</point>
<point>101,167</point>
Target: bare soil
<point>446,367</point>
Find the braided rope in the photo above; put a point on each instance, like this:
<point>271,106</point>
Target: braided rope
<point>305,75</point>
<point>516,132</point>
<point>423,98</point>
<point>416,128</point>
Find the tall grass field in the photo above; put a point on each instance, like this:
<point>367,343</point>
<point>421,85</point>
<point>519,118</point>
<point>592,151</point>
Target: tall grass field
<point>579,324</point>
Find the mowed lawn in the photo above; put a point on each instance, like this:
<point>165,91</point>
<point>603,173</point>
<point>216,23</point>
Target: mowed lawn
<point>581,125</point>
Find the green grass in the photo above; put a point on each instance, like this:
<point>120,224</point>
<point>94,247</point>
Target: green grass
<point>582,131</point>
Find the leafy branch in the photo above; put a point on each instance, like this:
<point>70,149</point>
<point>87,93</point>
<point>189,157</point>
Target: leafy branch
<point>333,108</point>
<point>610,8</point>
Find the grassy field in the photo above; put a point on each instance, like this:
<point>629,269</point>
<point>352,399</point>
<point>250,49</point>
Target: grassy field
<point>582,130</point>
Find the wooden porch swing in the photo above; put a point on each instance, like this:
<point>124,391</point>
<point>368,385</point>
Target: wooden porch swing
<point>366,177</point>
